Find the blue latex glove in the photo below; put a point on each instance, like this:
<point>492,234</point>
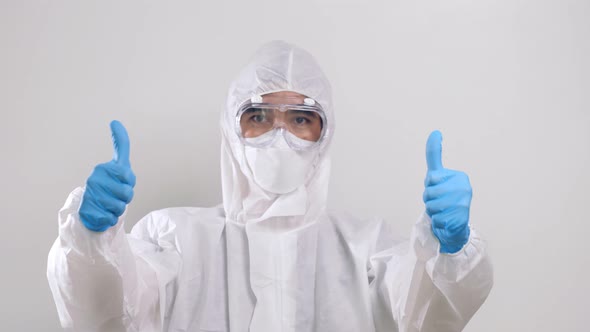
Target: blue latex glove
<point>447,196</point>
<point>110,186</point>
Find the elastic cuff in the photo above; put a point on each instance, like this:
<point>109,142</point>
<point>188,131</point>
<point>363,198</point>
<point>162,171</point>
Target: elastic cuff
<point>462,248</point>
<point>81,240</point>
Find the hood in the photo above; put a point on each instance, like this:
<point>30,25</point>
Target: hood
<point>276,66</point>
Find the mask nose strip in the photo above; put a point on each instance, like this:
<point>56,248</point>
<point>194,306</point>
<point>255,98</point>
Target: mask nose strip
<point>281,140</point>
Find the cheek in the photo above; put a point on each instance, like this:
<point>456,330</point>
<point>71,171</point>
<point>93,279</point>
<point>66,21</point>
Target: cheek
<point>247,133</point>
<point>310,135</point>
<point>315,134</point>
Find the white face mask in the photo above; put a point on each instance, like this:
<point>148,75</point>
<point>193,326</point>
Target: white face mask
<point>278,168</point>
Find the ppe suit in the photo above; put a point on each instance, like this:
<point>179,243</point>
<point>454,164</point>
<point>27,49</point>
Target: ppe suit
<point>264,261</point>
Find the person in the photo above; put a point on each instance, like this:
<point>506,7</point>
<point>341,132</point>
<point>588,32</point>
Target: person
<point>271,258</point>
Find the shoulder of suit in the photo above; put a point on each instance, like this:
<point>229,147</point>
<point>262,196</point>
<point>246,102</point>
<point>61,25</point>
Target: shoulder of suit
<point>180,218</point>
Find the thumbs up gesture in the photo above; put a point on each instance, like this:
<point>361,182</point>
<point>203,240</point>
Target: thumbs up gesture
<point>447,196</point>
<point>110,186</point>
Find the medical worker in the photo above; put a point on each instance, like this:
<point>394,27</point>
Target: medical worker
<point>271,258</point>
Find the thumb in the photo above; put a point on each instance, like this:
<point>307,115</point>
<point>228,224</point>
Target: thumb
<point>434,151</point>
<point>120,143</point>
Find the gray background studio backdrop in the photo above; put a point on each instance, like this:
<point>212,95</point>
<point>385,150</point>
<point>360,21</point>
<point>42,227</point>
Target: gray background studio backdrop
<point>507,82</point>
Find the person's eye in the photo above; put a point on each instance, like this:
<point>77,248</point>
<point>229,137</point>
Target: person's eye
<point>301,120</point>
<point>257,118</point>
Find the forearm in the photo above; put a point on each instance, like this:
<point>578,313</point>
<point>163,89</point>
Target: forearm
<point>431,291</point>
<point>92,275</point>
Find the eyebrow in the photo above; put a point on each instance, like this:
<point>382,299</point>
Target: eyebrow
<point>254,109</point>
<point>311,113</point>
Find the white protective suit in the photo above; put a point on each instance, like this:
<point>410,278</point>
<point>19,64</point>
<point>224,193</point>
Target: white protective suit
<point>263,262</point>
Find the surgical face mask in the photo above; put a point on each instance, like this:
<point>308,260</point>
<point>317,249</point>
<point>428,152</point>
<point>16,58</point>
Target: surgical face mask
<point>278,168</point>
<point>259,124</point>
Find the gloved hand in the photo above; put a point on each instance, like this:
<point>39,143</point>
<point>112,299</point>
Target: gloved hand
<point>447,196</point>
<point>110,186</point>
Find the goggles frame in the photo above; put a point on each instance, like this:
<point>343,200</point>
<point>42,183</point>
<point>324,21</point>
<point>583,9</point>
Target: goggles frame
<point>309,105</point>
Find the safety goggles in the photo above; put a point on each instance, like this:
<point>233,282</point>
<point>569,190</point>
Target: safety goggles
<point>259,124</point>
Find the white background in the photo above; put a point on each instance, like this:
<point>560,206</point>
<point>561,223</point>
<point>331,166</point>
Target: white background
<point>507,83</point>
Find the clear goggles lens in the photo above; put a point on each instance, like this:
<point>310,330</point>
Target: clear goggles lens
<point>302,126</point>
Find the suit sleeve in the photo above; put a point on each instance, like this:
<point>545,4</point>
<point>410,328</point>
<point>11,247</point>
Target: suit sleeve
<point>417,288</point>
<point>109,281</point>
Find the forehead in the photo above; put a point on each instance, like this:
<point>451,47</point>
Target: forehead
<point>283,97</point>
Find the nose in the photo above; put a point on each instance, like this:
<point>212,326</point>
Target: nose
<point>280,117</point>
